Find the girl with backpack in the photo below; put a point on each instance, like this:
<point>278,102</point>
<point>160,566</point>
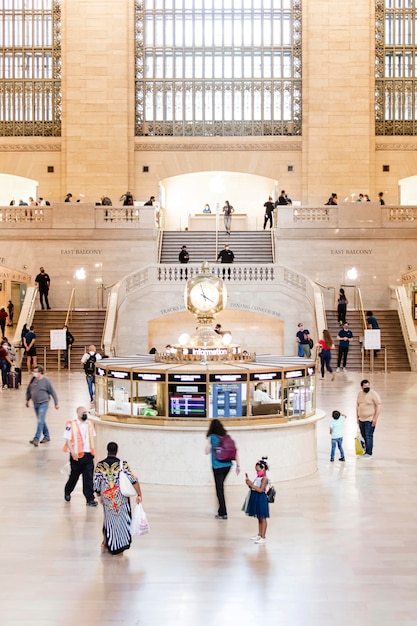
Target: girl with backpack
<point>221,469</point>
<point>257,505</point>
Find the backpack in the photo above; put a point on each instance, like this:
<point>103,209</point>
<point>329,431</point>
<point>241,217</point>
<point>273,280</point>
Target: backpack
<point>89,365</point>
<point>225,449</point>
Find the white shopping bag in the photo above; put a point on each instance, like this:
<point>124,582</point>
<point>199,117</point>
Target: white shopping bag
<point>139,524</point>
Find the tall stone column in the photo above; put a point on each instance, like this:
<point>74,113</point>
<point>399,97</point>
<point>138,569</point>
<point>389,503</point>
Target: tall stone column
<point>338,100</point>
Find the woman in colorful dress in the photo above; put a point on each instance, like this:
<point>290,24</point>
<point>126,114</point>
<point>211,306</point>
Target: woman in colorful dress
<point>116,507</point>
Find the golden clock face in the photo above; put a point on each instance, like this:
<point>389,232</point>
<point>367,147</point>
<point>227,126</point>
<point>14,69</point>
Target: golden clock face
<point>204,296</point>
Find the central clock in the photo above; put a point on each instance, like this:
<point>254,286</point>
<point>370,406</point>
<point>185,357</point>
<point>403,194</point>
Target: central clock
<point>205,294</point>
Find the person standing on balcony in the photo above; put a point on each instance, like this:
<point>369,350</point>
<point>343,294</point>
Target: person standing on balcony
<point>332,200</point>
<point>150,201</point>
<point>43,281</point>
<point>282,199</point>
<point>228,210</point>
<point>68,197</point>
<point>269,212</point>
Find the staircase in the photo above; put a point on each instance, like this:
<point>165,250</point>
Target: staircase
<point>247,246</point>
<point>86,326</point>
<point>391,337</point>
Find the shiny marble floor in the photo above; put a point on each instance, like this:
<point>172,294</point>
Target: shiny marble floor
<point>341,549</point>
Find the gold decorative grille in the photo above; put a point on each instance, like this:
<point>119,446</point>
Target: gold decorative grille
<point>218,67</point>
<point>396,67</point>
<point>30,68</point>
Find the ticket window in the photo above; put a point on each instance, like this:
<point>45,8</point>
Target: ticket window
<point>299,394</point>
<point>266,397</point>
<point>148,398</point>
<point>118,396</point>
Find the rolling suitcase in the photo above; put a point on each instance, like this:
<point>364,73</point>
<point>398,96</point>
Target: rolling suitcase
<point>13,379</point>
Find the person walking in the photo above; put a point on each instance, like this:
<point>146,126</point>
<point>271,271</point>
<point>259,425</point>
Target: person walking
<point>3,318</point>
<point>368,408</point>
<point>40,390</point>
<point>269,212</point>
<point>342,303</point>
<point>29,341</point>
<point>79,442</point>
<point>183,256</point>
<point>43,282</point>
<point>10,308</point>
<point>88,361</point>
<point>258,505</point>
<point>116,507</point>
<point>220,468</point>
<point>228,210</point>
<point>336,432</point>
<point>325,345</point>
<point>344,336</point>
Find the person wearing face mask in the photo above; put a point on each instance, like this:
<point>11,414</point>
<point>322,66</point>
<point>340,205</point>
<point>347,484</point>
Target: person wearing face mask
<point>258,505</point>
<point>303,340</point>
<point>40,390</point>
<point>88,361</point>
<point>43,282</point>
<point>79,442</point>
<point>368,408</point>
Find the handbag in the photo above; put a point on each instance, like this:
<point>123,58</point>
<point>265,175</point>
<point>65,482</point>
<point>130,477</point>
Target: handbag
<point>125,485</point>
<point>310,343</point>
<point>139,524</point>
<point>359,444</point>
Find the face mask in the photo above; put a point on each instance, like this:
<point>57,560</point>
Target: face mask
<point>35,374</point>
<point>366,389</point>
<point>301,327</point>
<point>84,417</point>
<point>260,473</point>
<point>92,353</point>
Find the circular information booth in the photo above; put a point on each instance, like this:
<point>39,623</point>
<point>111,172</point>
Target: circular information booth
<point>158,411</point>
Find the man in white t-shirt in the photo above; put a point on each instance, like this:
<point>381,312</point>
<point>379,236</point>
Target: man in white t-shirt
<point>260,394</point>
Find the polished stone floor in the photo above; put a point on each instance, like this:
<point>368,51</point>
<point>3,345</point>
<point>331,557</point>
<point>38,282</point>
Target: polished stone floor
<point>341,549</point>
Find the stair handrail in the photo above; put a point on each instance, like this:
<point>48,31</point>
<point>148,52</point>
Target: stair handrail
<point>361,309</point>
<point>273,244</point>
<point>159,238</point>
<point>407,325</point>
<point>27,313</point>
<point>71,307</point>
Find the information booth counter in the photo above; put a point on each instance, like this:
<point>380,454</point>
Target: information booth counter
<point>159,413</point>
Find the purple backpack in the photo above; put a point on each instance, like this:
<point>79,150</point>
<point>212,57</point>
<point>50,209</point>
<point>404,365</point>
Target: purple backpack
<point>225,449</point>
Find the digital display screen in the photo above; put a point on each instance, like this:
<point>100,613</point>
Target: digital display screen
<point>266,376</point>
<point>187,405</point>
<point>148,377</point>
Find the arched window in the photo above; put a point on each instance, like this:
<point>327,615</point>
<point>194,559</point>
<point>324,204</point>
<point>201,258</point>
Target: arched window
<point>396,67</point>
<point>218,67</point>
<point>30,68</point>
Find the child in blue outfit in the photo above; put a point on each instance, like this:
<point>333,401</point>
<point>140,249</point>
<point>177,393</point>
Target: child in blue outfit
<point>258,502</point>
<point>336,431</point>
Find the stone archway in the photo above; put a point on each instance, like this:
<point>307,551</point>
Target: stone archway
<point>16,188</point>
